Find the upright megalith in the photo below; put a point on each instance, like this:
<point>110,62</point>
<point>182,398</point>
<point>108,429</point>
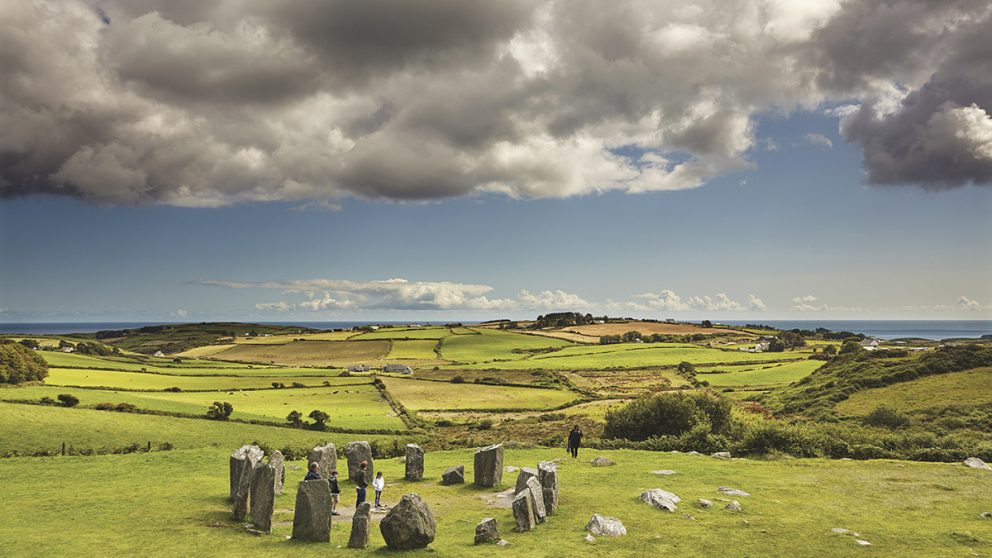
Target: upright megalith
<point>523,511</point>
<point>522,477</point>
<point>278,462</point>
<point>453,475</point>
<point>244,457</point>
<point>540,513</point>
<point>489,465</point>
<point>414,462</point>
<point>409,525</point>
<point>312,517</point>
<point>360,526</point>
<point>263,495</point>
<point>547,474</point>
<point>487,531</point>
<point>239,509</point>
<point>356,453</point>
<point>326,458</point>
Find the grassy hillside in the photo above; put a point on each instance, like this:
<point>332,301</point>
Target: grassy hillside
<point>960,389</point>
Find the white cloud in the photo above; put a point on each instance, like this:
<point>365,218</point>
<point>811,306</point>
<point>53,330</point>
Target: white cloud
<point>820,140</point>
<point>552,300</point>
<point>180,313</point>
<point>755,303</point>
<point>968,304</point>
<point>668,300</point>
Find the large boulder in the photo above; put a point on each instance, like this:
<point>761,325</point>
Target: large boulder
<point>242,458</point>
<point>489,465</point>
<point>524,474</point>
<point>976,463</point>
<point>454,475</point>
<point>312,517</point>
<point>326,458</point>
<point>239,509</point>
<point>523,511</point>
<point>547,474</point>
<point>360,526</point>
<point>661,499</point>
<point>278,462</point>
<point>487,531</point>
<point>409,525</point>
<point>414,463</point>
<point>540,512</point>
<point>263,496</point>
<point>606,526</point>
<point>356,453</point>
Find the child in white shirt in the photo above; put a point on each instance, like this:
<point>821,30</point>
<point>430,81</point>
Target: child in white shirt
<point>378,483</point>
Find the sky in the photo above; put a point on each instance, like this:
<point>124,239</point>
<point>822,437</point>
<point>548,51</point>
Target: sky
<point>451,159</point>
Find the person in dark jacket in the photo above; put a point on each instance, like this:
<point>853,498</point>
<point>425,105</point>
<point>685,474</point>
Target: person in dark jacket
<point>335,492</point>
<point>574,441</point>
<point>361,483</point>
<point>312,474</point>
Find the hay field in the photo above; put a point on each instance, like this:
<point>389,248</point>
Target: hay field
<point>491,345</point>
<point>310,353</point>
<point>141,381</point>
<point>415,349</point>
<point>419,394</point>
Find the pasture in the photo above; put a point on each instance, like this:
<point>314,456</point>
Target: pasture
<point>970,387</point>
<point>406,333</point>
<point>140,381</point>
<point>421,394</point>
<point>647,328</point>
<point>416,349</point>
<point>766,374</point>
<point>309,353</point>
<point>494,345</point>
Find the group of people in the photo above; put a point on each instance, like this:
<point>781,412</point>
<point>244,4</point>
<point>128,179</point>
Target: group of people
<point>361,484</point>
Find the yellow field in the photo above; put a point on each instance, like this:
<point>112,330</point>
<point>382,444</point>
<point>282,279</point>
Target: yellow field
<point>205,351</point>
<point>566,335</point>
<point>420,394</point>
<point>289,338</point>
<point>309,353</point>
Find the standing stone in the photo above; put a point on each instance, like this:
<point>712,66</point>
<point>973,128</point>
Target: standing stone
<point>263,496</point>
<point>454,475</point>
<point>540,513</point>
<point>358,452</point>
<point>487,531</point>
<point>312,518</point>
<point>547,474</point>
<point>524,474</point>
<point>489,465</point>
<point>523,511</point>
<point>243,457</point>
<point>277,462</point>
<point>409,525</point>
<point>606,526</point>
<point>240,507</point>
<point>414,462</point>
<point>326,458</point>
<point>360,526</point>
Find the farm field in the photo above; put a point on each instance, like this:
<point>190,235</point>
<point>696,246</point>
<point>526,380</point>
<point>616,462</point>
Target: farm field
<point>626,383</point>
<point>509,376</point>
<point>970,387</point>
<point>283,339</point>
<point>619,328</point>
<point>420,394</point>
<point>566,335</point>
<point>764,375</point>
<point>73,360</point>
<point>406,333</point>
<point>903,509</point>
<point>492,345</point>
<point>309,353</point>
<point>141,381</point>
<point>418,349</point>
<point>205,351</point>
<point>595,410</point>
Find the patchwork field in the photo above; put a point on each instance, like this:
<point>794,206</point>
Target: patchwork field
<point>309,353</point>
<point>418,349</point>
<point>493,345</point>
<point>619,328</point>
<point>626,383</point>
<point>420,394</point>
<point>971,387</point>
<point>764,375</point>
<point>141,381</point>
<point>406,333</point>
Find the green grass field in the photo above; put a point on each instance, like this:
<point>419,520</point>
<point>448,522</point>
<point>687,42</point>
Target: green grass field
<point>406,333</point>
<point>133,504</point>
<point>774,374</point>
<point>492,345</point>
<point>309,353</point>
<point>140,381</point>
<point>419,349</point>
<point>971,387</point>
<point>419,394</point>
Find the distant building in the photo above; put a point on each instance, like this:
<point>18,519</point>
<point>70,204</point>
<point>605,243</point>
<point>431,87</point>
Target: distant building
<point>869,344</point>
<point>402,368</point>
<point>159,354</point>
<point>67,349</point>
<point>359,368</point>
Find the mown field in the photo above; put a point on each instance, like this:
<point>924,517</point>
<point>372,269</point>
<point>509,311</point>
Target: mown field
<point>418,349</point>
<point>132,504</point>
<point>309,353</point>
<point>420,394</point>
<point>767,374</point>
<point>970,387</point>
<point>491,345</point>
<point>142,381</point>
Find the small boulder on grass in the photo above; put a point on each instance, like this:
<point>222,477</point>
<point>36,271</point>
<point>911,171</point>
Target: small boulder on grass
<point>976,463</point>
<point>734,506</point>
<point>605,526</point>
<point>487,531</point>
<point>602,462</point>
<point>661,499</point>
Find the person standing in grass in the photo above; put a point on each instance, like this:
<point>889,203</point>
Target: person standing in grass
<point>335,492</point>
<point>574,441</point>
<point>378,484</point>
<point>312,474</point>
<point>361,483</point>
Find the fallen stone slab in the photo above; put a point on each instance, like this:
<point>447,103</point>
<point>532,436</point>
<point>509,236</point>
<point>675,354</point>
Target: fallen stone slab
<point>537,493</point>
<point>454,475</point>
<point>360,526</point>
<point>661,499</point>
<point>312,515</point>
<point>409,525</point>
<point>606,526</point>
<point>488,469</point>
<point>326,458</point>
<point>602,462</point>
<point>663,472</point>
<point>721,455</point>
<point>704,503</point>
<point>414,463</point>
<point>487,531</point>
<point>547,474</point>
<point>731,491</point>
<point>976,463</point>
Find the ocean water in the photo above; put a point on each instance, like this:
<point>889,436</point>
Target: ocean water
<point>54,328</point>
<point>888,329</point>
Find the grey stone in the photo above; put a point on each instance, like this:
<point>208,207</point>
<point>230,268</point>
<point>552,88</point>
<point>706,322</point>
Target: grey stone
<point>244,457</point>
<point>524,474</point>
<point>704,503</point>
<point>488,468</point>
<point>360,526</point>
<point>721,455</point>
<point>731,491</point>
<point>840,530</point>
<point>487,531</point>
<point>733,506</point>
<point>540,512</point>
<point>606,526</point>
<point>664,472</point>
<point>409,525</point>
<point>863,542</point>
<point>356,453</point>
<point>263,496</point>
<point>241,498</point>
<point>976,463</point>
<point>326,458</point>
<point>454,475</point>
<point>503,542</point>
<point>277,461</point>
<point>523,511</point>
<point>589,538</point>
<point>312,517</point>
<point>661,499</point>
<point>547,473</point>
<point>602,462</point>
<point>414,462</point>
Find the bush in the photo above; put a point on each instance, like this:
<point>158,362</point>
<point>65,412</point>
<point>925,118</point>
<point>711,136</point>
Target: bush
<point>320,419</point>
<point>886,417</point>
<point>458,380</point>
<point>295,419</point>
<point>670,414</point>
<point>68,399</point>
<point>173,389</point>
<point>550,417</point>
<point>20,364</point>
<point>278,385</point>
<point>484,424</point>
<point>48,401</point>
<point>220,411</point>
<point>298,385</point>
<point>444,422</point>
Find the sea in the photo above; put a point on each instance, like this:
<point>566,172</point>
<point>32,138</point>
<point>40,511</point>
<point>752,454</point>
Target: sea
<point>882,329</point>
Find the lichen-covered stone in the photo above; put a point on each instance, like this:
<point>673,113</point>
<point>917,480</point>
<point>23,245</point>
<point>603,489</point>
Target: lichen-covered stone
<point>606,526</point>
<point>540,513</point>
<point>312,517</point>
<point>409,524</point>
<point>360,526</point>
<point>277,461</point>
<point>326,458</point>
<point>523,511</point>
<point>524,474</point>
<point>454,475</point>
<point>488,468</point>
<point>263,496</point>
<point>244,457</point>
<point>414,463</point>
<point>487,531</point>
<point>661,499</point>
<point>356,452</point>
<point>547,474</point>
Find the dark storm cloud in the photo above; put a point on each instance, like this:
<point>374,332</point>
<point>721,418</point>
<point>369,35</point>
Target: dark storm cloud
<point>198,103</point>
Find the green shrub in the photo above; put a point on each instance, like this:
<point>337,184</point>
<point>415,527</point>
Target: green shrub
<point>68,399</point>
<point>886,417</point>
<point>220,411</point>
<point>550,417</point>
<point>668,414</point>
<point>458,380</point>
<point>20,364</point>
<point>484,424</point>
